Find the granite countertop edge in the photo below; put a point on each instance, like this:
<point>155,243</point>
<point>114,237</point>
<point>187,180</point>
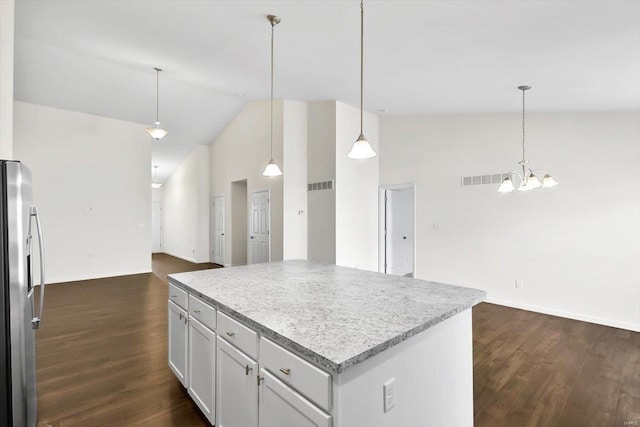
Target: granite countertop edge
<point>306,353</point>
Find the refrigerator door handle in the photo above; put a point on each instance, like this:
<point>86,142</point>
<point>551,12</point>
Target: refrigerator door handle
<point>37,319</point>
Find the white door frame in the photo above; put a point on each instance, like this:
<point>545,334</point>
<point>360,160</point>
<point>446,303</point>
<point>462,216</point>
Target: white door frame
<point>382,216</point>
<point>161,220</point>
<point>250,227</point>
<point>212,229</point>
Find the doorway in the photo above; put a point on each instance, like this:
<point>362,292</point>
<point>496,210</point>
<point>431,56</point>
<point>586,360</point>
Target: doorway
<point>157,220</point>
<point>397,230</point>
<point>218,230</point>
<point>259,239</point>
<point>239,222</point>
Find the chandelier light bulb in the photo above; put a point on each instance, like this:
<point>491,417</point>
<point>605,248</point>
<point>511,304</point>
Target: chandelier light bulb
<point>548,181</point>
<point>506,186</point>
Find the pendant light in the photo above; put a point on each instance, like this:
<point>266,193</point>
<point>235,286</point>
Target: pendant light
<point>272,169</point>
<point>155,183</point>
<point>157,132</point>
<point>528,179</point>
<point>361,149</point>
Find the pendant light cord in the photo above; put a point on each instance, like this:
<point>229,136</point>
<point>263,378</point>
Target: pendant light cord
<point>523,129</point>
<point>271,108</point>
<point>158,94</point>
<point>361,63</point>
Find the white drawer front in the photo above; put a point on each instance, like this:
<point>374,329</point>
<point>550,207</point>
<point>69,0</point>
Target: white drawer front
<point>202,311</point>
<point>298,373</point>
<point>239,335</point>
<point>178,296</point>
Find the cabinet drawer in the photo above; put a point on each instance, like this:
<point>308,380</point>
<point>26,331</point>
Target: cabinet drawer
<point>178,296</point>
<point>296,372</point>
<point>202,311</point>
<point>238,334</point>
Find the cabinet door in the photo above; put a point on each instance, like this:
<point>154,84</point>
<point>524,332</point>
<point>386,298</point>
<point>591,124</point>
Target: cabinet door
<point>202,365</point>
<point>280,406</point>
<point>178,338</point>
<point>237,387</point>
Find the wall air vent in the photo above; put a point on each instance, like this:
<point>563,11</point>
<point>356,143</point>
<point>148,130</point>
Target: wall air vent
<point>482,179</point>
<point>324,185</point>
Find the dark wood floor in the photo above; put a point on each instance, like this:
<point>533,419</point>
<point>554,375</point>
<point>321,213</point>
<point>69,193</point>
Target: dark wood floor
<point>102,361</point>
<point>102,353</point>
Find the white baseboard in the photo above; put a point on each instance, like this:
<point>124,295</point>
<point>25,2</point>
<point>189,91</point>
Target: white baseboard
<point>635,327</point>
<point>66,279</point>
<point>184,258</point>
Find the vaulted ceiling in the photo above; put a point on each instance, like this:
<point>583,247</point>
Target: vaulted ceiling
<point>421,57</point>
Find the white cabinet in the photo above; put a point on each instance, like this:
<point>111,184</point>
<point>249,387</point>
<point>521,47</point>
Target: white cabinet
<point>202,357</point>
<point>237,387</point>
<point>280,406</point>
<point>178,339</point>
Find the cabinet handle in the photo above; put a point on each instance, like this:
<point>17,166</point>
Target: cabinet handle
<point>231,333</point>
<point>247,369</point>
<point>174,296</point>
<point>259,378</point>
<point>196,311</point>
<point>181,316</point>
<point>285,371</point>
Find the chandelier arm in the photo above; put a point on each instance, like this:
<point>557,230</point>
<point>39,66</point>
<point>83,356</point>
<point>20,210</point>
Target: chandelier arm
<point>520,177</point>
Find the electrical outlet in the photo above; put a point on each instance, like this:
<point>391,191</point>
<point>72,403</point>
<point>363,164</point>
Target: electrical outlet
<point>389,391</point>
<point>519,284</point>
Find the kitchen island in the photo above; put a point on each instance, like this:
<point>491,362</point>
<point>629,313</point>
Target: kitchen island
<point>303,343</point>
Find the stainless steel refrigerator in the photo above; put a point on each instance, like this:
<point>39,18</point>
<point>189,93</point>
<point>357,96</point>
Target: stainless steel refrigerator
<point>19,220</point>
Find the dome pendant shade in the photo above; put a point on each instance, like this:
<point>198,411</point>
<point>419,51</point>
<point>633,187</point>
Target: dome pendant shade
<point>361,149</point>
<point>157,132</point>
<point>155,183</point>
<point>272,169</point>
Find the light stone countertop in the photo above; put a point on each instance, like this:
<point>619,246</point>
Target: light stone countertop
<point>334,316</point>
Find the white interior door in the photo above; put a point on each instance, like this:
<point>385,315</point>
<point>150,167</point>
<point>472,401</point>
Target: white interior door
<point>218,230</point>
<point>156,227</point>
<point>399,236</point>
<point>259,233</point>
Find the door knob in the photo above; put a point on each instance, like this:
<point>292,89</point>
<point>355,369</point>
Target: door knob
<point>251,237</point>
<point>222,234</point>
<point>404,237</point>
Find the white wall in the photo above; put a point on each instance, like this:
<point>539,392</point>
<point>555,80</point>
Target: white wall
<point>321,166</point>
<point>241,152</point>
<point>157,194</point>
<point>356,192</point>
<point>576,247</point>
<point>91,184</point>
<point>343,222</point>
<point>294,213</point>
<point>186,208</point>
<point>7,11</point>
